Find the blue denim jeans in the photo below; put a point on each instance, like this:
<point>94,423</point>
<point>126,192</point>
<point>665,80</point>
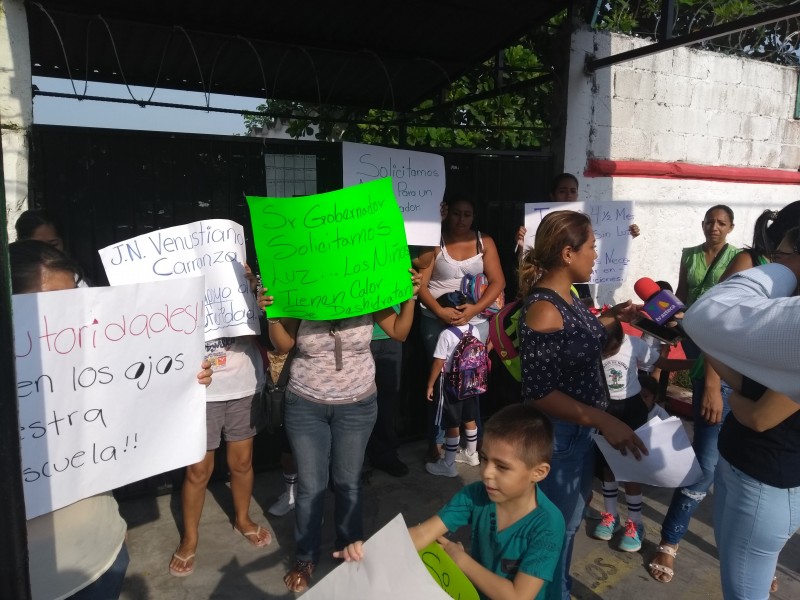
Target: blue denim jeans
<point>752,523</point>
<point>568,487</point>
<point>328,438</point>
<point>685,500</point>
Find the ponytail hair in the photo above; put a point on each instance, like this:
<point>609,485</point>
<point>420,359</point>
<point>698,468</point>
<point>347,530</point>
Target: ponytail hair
<point>763,243</point>
<point>772,225</point>
<point>529,272</point>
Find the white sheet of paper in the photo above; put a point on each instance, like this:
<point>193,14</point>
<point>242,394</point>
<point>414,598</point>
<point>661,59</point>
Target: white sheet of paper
<point>670,463</point>
<point>107,387</point>
<point>418,180</point>
<point>390,570</point>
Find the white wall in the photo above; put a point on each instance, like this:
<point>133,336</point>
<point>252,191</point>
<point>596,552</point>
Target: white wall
<point>16,107</point>
<point>687,106</point>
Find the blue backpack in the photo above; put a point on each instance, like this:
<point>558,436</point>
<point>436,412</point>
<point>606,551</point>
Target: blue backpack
<point>469,372</point>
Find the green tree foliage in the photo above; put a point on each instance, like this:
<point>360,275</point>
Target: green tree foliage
<point>777,42</point>
<point>522,118</point>
<point>518,119</point>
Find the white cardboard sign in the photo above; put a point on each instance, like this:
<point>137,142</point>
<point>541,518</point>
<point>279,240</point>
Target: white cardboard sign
<point>610,221</point>
<point>214,248</point>
<point>107,387</point>
<point>418,180</point>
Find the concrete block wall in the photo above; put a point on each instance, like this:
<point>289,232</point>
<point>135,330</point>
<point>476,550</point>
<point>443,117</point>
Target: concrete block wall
<point>684,105</point>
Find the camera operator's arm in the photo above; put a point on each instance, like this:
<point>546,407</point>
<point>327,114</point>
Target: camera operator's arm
<point>749,324</point>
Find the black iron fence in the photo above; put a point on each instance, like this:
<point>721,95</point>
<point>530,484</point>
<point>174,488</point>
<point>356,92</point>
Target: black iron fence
<point>109,185</point>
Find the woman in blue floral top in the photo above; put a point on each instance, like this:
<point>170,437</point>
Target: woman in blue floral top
<point>561,347</point>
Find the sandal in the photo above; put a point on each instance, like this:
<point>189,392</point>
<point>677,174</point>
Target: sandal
<point>662,569</point>
<point>175,572</point>
<point>254,536</point>
<point>299,578</point>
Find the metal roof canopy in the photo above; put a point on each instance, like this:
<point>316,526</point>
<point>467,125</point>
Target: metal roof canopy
<point>349,53</point>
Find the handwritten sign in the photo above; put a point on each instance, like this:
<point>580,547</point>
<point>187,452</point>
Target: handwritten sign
<point>610,221</point>
<point>107,388</point>
<point>419,184</point>
<point>447,574</point>
<point>332,256</point>
<point>214,248</point>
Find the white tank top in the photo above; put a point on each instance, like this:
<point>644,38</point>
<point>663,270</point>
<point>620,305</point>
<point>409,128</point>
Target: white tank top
<point>448,272</point>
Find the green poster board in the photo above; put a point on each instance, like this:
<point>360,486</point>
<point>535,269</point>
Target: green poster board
<point>332,256</point>
<point>447,574</point>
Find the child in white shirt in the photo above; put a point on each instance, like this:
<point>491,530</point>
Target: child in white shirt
<point>623,356</point>
<point>454,411</point>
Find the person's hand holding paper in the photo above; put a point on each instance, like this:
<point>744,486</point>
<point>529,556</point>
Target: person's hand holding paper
<point>671,461</point>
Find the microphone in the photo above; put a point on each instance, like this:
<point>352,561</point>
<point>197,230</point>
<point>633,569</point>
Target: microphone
<point>660,305</point>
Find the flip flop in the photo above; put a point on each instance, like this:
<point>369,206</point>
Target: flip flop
<point>669,551</point>
<point>254,537</point>
<point>174,572</point>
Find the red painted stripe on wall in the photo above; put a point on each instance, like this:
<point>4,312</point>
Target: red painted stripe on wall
<point>679,170</point>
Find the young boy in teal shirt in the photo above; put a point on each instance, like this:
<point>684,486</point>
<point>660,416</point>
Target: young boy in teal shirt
<point>517,532</point>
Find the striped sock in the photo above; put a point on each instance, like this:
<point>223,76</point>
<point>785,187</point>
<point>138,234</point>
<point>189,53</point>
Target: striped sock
<point>472,440</point>
<point>290,479</point>
<point>610,491</point>
<point>450,447</point>
<point>634,507</point>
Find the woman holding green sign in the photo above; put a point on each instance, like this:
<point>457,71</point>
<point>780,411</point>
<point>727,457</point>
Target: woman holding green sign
<point>330,411</point>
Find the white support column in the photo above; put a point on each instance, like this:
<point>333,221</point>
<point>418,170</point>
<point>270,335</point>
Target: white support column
<point>16,106</point>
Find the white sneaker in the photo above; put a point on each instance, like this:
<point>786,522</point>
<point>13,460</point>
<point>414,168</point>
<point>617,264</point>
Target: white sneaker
<point>282,506</point>
<point>467,458</point>
<point>441,468</point>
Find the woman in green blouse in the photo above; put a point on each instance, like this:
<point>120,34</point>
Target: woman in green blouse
<point>701,268</point>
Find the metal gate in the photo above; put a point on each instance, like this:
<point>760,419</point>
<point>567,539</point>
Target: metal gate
<point>109,185</point>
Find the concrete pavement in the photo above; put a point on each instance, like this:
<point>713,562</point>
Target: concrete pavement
<point>229,567</point>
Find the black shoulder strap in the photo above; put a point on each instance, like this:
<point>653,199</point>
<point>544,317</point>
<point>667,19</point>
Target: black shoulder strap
<point>284,376</point>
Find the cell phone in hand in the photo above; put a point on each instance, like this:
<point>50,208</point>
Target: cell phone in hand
<point>668,335</point>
